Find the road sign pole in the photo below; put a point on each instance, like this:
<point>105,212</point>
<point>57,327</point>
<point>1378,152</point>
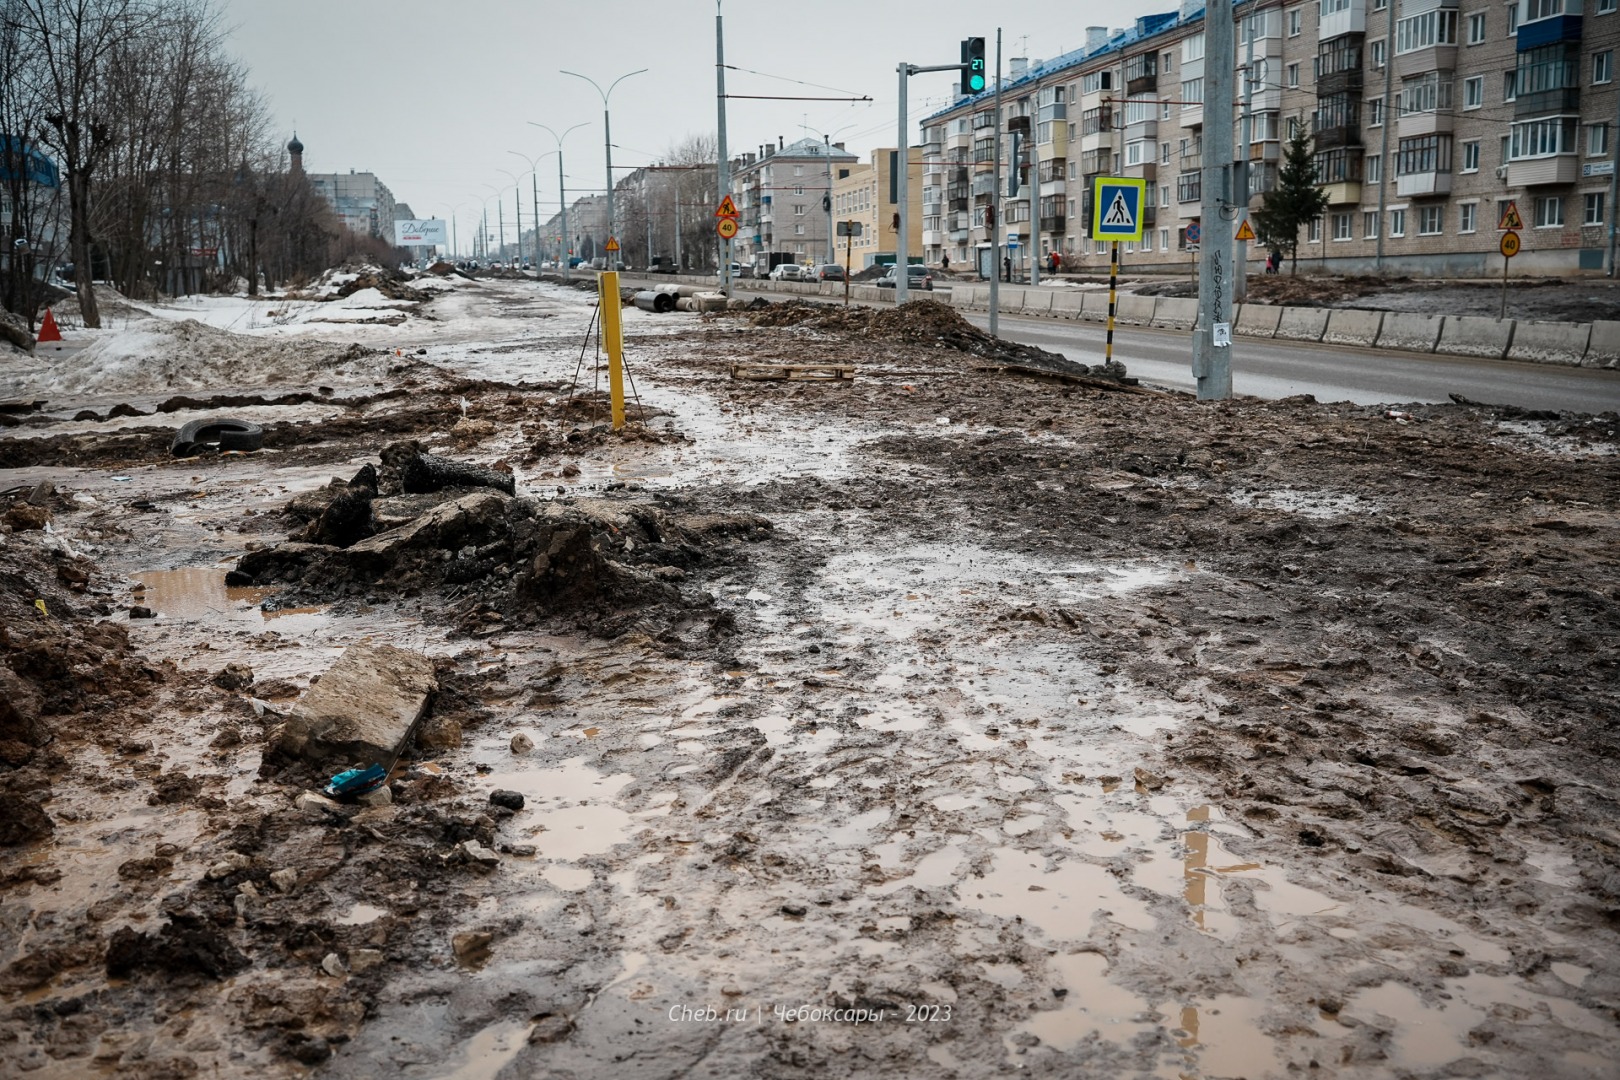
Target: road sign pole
<point>1212,334</point>
<point>1113,299</point>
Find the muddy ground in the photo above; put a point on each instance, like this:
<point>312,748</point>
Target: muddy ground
<point>1071,728</point>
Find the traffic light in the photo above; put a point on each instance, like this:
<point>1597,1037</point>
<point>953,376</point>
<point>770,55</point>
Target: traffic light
<point>973,73</point>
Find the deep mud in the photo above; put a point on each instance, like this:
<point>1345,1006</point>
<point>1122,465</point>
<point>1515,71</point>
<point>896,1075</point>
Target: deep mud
<point>1075,732</point>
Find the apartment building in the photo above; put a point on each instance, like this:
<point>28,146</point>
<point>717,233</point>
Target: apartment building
<point>870,194</point>
<point>362,202</point>
<point>1428,117</point>
<point>779,193</point>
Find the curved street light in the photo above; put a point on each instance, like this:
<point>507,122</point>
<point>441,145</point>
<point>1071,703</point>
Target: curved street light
<point>534,190</point>
<point>517,200</point>
<point>607,136</point>
<point>455,212</point>
<point>500,219</point>
<point>562,193</point>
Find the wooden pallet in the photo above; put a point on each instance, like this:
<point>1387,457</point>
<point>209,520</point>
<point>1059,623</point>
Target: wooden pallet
<point>806,372</point>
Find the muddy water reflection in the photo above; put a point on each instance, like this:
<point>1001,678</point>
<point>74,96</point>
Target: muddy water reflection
<point>200,593</point>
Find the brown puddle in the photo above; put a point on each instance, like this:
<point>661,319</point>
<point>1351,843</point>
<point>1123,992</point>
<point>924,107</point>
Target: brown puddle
<point>200,592</point>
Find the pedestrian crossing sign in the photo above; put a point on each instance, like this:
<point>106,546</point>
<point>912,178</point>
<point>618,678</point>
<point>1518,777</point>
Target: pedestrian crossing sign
<point>1117,204</point>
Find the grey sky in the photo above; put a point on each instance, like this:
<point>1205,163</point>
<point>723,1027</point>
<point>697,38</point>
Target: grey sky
<point>431,95</point>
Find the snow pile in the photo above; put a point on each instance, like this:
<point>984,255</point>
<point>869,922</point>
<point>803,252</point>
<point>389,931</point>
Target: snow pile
<point>154,356</point>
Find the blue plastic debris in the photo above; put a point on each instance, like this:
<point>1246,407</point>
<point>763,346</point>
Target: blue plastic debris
<point>355,782</point>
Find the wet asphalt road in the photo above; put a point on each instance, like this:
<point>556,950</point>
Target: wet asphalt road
<point>1270,369</point>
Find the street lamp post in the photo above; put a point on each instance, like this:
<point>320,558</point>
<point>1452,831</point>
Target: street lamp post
<point>500,220</point>
<point>607,136</point>
<point>534,191</point>
<point>517,200</point>
<point>832,254</point>
<point>562,194</point>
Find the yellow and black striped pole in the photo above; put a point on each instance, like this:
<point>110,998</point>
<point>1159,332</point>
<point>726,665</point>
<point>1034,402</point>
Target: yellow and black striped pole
<point>613,339</point>
<point>1113,298</point>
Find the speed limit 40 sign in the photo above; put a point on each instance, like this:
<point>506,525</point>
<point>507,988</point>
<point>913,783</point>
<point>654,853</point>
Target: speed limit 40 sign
<point>1510,244</point>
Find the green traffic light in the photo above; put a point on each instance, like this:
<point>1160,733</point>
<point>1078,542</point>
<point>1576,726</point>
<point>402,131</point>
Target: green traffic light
<point>976,83</point>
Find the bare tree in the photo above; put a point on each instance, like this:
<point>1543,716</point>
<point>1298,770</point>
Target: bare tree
<point>29,181</point>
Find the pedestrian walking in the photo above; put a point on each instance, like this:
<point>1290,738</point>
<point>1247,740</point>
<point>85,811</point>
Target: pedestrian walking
<point>1006,269</point>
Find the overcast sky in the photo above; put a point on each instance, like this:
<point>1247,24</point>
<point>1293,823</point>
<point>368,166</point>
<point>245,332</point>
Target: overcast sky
<point>432,94</point>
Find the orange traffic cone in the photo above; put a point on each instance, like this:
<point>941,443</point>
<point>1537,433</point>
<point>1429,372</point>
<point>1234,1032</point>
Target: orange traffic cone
<point>48,330</point>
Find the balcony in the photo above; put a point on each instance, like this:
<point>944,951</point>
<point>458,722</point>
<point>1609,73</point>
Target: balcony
<point>1433,58</point>
<point>1533,35</point>
<point>1412,125</point>
<point>1189,187</point>
<point>1339,82</point>
<point>933,237</point>
<point>956,205</point>
<point>1345,135</point>
<point>1265,150</point>
<point>1560,169</point>
<point>1052,187</point>
<point>1417,185</point>
<point>934,149</point>
<point>1147,83</point>
<point>1344,192</point>
<point>1547,102</point>
<point>1053,170</point>
<point>1352,20</point>
<point>1054,224</point>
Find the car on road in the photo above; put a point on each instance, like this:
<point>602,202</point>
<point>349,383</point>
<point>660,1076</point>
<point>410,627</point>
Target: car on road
<point>829,272</point>
<point>788,272</point>
<point>919,278</point>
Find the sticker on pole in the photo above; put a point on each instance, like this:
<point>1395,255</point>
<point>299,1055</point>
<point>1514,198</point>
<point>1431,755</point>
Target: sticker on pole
<point>726,227</point>
<point>1118,203</point>
<point>726,209</point>
<point>1244,231</point>
<point>1510,217</point>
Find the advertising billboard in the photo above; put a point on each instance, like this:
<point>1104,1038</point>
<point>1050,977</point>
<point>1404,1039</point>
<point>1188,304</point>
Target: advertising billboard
<point>421,233</point>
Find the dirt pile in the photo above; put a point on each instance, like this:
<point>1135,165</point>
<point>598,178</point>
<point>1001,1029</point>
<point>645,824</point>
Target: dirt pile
<point>925,324</point>
<point>422,526</point>
<point>391,283</point>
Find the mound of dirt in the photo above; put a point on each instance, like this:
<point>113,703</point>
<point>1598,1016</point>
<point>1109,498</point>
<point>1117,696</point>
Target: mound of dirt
<point>926,324</point>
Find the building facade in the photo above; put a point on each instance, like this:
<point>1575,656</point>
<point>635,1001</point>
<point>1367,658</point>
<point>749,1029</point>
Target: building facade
<point>1428,117</point>
<point>362,202</point>
<point>779,194</point>
<point>870,194</point>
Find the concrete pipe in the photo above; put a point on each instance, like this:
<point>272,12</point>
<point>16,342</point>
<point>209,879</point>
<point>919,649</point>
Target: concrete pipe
<point>659,302</point>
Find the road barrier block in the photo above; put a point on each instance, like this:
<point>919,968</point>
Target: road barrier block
<point>1475,335</point>
<point>1604,348</point>
<point>1346,326</point>
<point>1037,301</point>
<point>1134,310</point>
<point>1258,320</point>
<point>1175,313</point>
<point>1550,342</point>
<point>1095,306</point>
<point>1302,323</point>
<point>1066,303</point>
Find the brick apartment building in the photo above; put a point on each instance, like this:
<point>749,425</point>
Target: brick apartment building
<point>1420,141</point>
<point>779,192</point>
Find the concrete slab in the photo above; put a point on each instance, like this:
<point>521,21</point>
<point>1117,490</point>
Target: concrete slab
<point>1346,327</point>
<point>1037,301</point>
<point>1012,299</point>
<point>1550,342</point>
<point>1258,320</point>
<point>1603,350</point>
<point>1095,306</point>
<point>1302,323</point>
<point>1134,310</point>
<point>1475,335</point>
<point>1175,313</point>
<point>961,296</point>
<point>1066,303</point>
<point>364,710</point>
<point>1410,331</point>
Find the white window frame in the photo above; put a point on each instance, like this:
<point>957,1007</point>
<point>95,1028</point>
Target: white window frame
<point>1342,225</point>
<point>1369,224</point>
<point>1536,10</point>
<point>1293,76</point>
<point>1373,169</point>
<point>1467,217</point>
<point>1313,230</point>
<point>1603,67</point>
<point>1473,93</point>
<point>1397,221</point>
<point>1544,220</point>
<point>1597,140</point>
<point>1470,149</point>
<point>1192,94</point>
<point>1606,7</point>
<point>1476,28</point>
<point>1513,18</point>
<point>1431,220</point>
<point>1295,21</point>
<point>1592,200</point>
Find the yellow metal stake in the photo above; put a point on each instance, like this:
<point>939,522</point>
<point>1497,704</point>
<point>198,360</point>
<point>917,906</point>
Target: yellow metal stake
<point>613,336</point>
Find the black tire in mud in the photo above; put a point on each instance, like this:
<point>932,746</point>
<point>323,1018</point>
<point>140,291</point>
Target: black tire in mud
<point>197,436</point>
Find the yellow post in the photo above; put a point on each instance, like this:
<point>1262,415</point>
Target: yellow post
<point>613,334</point>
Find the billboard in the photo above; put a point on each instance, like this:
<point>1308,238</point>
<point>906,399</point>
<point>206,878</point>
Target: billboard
<point>413,233</point>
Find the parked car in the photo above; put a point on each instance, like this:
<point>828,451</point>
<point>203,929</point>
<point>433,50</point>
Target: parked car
<point>788,272</point>
<point>920,278</point>
<point>829,272</point>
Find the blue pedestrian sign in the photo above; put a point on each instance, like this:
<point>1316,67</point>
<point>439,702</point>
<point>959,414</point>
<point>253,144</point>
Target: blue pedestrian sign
<point>1117,203</point>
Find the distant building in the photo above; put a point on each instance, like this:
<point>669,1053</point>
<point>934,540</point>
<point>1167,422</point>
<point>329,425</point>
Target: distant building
<point>779,194</point>
<point>362,202</point>
<point>870,195</point>
<point>28,172</point>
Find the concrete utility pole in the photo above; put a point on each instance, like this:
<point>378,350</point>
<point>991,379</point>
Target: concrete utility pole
<point>1240,277</point>
<point>995,205</point>
<point>1385,166</point>
<point>1212,337</point>
<point>562,194</point>
<point>723,166</point>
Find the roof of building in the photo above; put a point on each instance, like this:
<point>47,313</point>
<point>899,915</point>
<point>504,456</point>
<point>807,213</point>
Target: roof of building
<point>295,147</point>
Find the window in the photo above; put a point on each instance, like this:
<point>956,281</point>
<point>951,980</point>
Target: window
<point>798,189</point>
<point>1426,31</point>
<point>1594,208</point>
<point>1510,86</point>
<point>1549,67</point>
<point>1375,169</point>
<point>1427,93</point>
<point>1430,218</point>
<point>1603,66</point>
<point>798,230</point>
<point>1542,9</point>
<point>1313,231</point>
<point>1340,165</point>
<point>1168,61</point>
<point>1549,212</point>
<point>1467,217</point>
<point>1377,53</point>
<point>1192,94</point>
<point>1332,7</point>
<point>1164,109</point>
<point>1138,153</point>
<point>1293,75</point>
<point>1375,112</point>
<point>798,170</point>
<point>1605,7</point>
<point>1341,227</point>
<point>1164,153</point>
<point>1513,18</point>
<point>1397,222</point>
<point>1476,28</point>
<point>1369,225</point>
<point>1474,92</point>
<point>798,209</point>
<point>1138,111</point>
<point>1597,140</point>
<point>1470,161</point>
<point>1164,194</point>
<point>1424,154</point>
<point>1542,138</point>
<point>1191,49</point>
<point>1293,22</point>
<point>1164,239</point>
<point>1380,5</point>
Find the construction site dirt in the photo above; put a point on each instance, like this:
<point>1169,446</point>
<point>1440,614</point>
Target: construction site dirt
<point>941,722</point>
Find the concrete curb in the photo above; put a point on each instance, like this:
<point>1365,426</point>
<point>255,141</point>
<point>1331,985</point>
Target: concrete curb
<point>1475,335</point>
<point>1604,348</point>
<point>1550,342</point>
<point>1302,324</point>
<point>1409,331</point>
<point>1175,313</point>
<point>1346,326</point>
<point>1258,320</point>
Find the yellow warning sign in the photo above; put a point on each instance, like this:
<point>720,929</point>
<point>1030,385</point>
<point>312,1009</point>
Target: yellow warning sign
<point>727,227</point>
<point>612,244</point>
<point>1511,218</point>
<point>1510,244</point>
<point>1244,231</point>
<point>727,208</point>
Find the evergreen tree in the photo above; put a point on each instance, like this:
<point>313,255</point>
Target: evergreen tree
<point>1293,203</point>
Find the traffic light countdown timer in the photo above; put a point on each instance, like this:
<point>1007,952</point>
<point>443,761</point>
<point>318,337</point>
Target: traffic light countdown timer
<point>973,77</point>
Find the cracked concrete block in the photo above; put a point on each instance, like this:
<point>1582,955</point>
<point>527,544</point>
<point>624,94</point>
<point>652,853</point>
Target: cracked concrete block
<point>365,708</point>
